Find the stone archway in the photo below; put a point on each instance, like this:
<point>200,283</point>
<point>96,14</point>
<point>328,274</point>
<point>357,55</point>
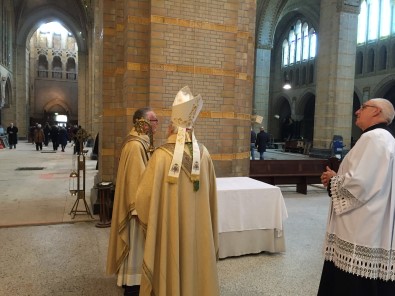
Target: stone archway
<point>57,106</point>
<point>30,14</point>
<point>281,113</point>
<point>306,111</point>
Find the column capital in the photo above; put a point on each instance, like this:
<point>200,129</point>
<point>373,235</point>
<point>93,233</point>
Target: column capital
<point>264,46</point>
<point>350,6</point>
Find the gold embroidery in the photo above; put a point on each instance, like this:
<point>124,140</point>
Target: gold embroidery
<point>186,159</point>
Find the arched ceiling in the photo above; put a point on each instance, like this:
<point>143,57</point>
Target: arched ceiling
<point>383,87</point>
<point>273,15</point>
<point>266,20</point>
<point>72,14</point>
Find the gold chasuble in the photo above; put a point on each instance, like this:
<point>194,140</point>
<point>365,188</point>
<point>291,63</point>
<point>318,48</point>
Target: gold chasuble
<point>181,226</point>
<point>132,163</point>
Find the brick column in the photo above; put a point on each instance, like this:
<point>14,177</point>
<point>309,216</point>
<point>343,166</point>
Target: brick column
<point>125,84</point>
<point>210,47</point>
<point>150,52</point>
<point>335,73</point>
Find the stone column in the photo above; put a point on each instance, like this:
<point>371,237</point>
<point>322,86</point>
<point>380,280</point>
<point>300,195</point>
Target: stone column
<point>335,73</point>
<point>82,90</point>
<point>96,58</point>
<point>262,78</point>
<point>19,104</point>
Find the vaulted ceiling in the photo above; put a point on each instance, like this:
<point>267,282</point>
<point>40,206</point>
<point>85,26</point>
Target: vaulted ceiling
<point>72,14</point>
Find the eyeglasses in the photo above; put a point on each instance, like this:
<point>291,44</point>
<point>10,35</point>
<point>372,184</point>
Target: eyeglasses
<point>364,106</point>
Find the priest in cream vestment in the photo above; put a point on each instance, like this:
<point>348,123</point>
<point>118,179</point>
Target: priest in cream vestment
<point>126,246</point>
<point>360,238</point>
<point>177,203</point>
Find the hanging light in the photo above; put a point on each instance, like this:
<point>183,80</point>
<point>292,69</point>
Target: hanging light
<point>287,81</point>
<point>73,183</point>
<point>287,84</point>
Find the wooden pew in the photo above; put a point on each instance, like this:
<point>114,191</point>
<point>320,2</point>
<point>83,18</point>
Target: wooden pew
<point>301,172</point>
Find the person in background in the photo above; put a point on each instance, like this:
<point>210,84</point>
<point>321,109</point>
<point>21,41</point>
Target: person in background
<point>177,205</point>
<point>32,128</point>
<point>55,137</point>
<point>70,133</point>
<point>63,137</point>
<point>39,137</point>
<point>126,246</point>
<point>360,236</point>
<point>47,133</point>
<point>12,132</point>
<point>261,141</point>
<point>252,145</point>
<point>77,144</point>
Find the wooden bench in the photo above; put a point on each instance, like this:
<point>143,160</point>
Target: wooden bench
<point>301,172</point>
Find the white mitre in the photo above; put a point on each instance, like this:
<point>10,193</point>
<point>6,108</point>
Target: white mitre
<point>185,110</point>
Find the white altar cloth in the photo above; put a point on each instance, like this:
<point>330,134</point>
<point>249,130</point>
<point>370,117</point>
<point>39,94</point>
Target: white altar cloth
<point>249,211</point>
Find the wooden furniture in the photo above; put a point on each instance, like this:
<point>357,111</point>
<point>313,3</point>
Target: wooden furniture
<point>250,217</point>
<point>105,190</point>
<point>301,172</point>
<point>294,146</point>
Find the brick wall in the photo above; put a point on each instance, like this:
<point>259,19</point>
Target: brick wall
<point>153,48</point>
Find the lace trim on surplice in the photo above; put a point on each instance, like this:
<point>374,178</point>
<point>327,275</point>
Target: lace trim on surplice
<point>363,261</point>
<point>342,199</point>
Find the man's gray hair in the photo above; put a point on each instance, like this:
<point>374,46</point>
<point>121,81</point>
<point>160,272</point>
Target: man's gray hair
<point>141,113</point>
<point>387,109</point>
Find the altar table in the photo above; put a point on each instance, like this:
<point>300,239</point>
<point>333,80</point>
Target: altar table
<point>250,217</point>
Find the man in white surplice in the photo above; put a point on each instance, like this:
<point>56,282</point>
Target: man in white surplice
<point>359,244</point>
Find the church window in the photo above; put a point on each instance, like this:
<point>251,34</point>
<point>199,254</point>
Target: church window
<point>298,37</point>
<point>385,18</point>
<point>306,41</point>
<point>300,44</point>
<point>375,20</point>
<point>373,25</point>
<point>362,23</point>
<point>292,46</point>
<point>299,48</point>
<point>285,53</point>
<point>313,44</point>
